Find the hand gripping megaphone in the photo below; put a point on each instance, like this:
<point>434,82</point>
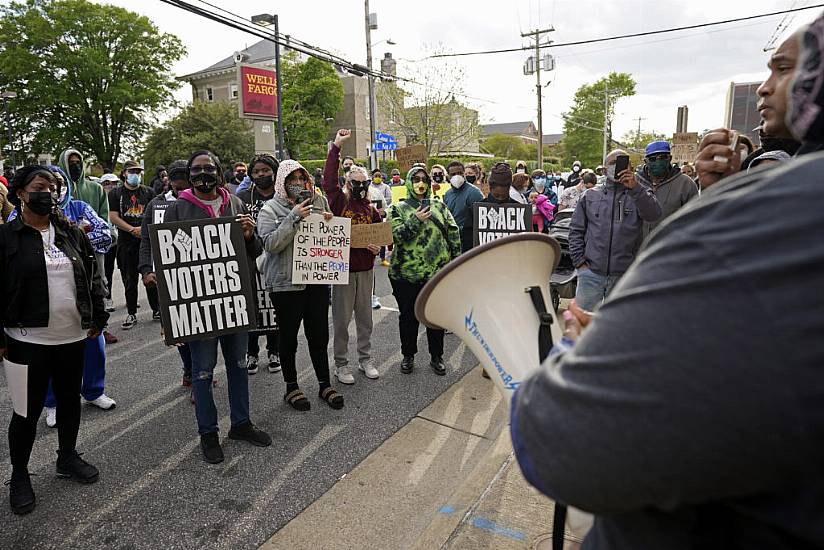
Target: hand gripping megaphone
<point>494,299</point>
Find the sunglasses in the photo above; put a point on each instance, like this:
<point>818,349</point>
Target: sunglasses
<point>203,168</point>
<point>418,179</point>
<point>659,156</point>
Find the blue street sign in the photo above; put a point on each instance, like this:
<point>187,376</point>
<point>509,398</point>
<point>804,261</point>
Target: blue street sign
<point>384,138</point>
<point>383,146</point>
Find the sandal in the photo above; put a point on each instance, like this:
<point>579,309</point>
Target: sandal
<point>297,399</point>
<point>332,398</point>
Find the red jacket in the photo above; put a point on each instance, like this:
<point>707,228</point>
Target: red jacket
<point>359,211</point>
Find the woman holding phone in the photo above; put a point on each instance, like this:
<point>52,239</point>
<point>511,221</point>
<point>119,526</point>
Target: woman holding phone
<point>278,223</point>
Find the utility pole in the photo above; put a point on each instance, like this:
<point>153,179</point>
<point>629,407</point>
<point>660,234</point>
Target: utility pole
<point>371,81</point>
<point>638,135</point>
<point>606,123</point>
<point>536,35</point>
<point>279,92</point>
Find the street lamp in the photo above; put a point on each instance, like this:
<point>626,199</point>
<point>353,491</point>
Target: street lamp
<point>265,20</point>
<point>6,96</point>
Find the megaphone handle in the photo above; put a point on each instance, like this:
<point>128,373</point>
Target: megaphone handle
<point>558,526</point>
<point>545,330</point>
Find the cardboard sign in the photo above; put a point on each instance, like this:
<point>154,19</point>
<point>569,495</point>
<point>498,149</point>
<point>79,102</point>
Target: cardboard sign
<point>258,91</point>
<point>495,221</point>
<point>407,156</point>
<point>379,234</point>
<point>203,279</point>
<point>684,147</point>
<point>320,254</point>
<point>266,318</point>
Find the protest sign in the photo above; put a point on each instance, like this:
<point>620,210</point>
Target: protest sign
<point>17,378</point>
<point>407,156</point>
<point>203,279</point>
<point>320,254</point>
<point>379,234</point>
<point>266,318</point>
<point>494,221</point>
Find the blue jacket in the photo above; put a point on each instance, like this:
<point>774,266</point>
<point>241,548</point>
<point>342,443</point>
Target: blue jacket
<point>460,201</point>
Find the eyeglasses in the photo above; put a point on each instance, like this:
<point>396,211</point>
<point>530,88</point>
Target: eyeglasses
<point>658,156</point>
<point>203,168</point>
<point>418,179</point>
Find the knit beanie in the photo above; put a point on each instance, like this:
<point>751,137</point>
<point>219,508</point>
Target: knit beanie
<point>501,174</point>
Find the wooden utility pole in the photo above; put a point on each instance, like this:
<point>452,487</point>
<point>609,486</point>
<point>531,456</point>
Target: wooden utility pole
<point>536,35</point>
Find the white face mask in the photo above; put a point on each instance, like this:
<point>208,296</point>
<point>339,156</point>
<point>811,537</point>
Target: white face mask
<point>610,171</point>
<point>457,180</point>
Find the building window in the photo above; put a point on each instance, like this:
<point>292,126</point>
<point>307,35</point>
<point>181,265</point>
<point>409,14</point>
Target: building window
<point>233,90</point>
<point>209,95</point>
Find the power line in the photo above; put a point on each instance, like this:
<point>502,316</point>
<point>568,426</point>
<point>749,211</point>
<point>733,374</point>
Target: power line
<point>636,35</point>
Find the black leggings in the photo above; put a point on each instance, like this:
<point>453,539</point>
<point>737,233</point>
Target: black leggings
<point>312,307</point>
<point>66,374</point>
<point>128,257</point>
<point>405,294</point>
<point>271,342</point>
<point>111,257</point>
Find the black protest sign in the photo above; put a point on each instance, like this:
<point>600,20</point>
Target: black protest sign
<point>495,221</point>
<point>203,279</point>
<point>266,318</point>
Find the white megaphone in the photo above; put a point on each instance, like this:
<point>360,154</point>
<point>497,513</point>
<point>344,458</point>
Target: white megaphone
<point>495,298</point>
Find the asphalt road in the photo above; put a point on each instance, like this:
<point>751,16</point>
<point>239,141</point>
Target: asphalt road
<point>156,492</point>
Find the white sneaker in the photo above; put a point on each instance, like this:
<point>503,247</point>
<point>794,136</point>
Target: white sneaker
<point>368,370</point>
<point>274,362</point>
<point>103,402</point>
<point>251,364</point>
<point>51,417</point>
<point>376,303</point>
<point>109,303</point>
<point>344,375</point>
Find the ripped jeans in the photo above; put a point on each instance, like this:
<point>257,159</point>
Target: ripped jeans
<point>204,359</point>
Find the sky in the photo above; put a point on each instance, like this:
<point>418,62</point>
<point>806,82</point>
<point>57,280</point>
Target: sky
<point>692,68</point>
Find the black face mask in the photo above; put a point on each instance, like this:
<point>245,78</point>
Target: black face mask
<point>75,170</point>
<point>470,179</point>
<point>239,176</point>
<point>40,202</point>
<point>265,182</point>
<point>204,182</point>
<point>437,178</point>
<point>359,191</point>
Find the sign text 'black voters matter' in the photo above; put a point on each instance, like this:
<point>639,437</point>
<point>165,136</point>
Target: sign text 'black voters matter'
<point>495,221</point>
<point>203,279</point>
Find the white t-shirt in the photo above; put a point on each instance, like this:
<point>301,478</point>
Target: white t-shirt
<point>65,325</point>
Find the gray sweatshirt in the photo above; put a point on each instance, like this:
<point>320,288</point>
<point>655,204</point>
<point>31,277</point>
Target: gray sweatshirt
<point>606,228</point>
<point>672,193</point>
<point>689,413</point>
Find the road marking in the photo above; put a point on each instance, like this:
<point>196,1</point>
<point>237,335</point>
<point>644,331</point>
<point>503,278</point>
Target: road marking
<point>492,527</point>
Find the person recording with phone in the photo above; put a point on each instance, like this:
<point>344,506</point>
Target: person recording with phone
<point>426,239</point>
<point>278,222</point>
<point>607,229</point>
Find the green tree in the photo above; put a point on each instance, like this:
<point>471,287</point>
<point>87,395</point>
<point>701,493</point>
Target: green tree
<point>584,122</point>
<point>312,92</point>
<point>506,146</point>
<point>638,141</point>
<point>201,125</point>
<point>89,76</point>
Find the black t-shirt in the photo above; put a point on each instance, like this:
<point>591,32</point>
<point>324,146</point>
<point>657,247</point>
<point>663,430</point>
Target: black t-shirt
<point>130,204</point>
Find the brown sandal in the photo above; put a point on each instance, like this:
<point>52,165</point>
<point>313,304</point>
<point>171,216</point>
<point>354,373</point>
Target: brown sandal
<point>297,399</point>
<point>333,398</point>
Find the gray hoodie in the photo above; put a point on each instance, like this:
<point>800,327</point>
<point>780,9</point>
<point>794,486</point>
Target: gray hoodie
<point>606,228</point>
<point>672,193</point>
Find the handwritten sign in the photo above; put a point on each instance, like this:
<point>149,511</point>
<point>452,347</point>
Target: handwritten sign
<point>407,156</point>
<point>320,254</point>
<point>203,279</point>
<point>379,234</point>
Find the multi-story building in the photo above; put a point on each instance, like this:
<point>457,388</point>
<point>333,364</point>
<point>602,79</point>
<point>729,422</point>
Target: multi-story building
<point>741,113</point>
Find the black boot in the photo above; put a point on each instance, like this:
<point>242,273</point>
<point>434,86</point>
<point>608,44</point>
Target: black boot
<point>21,495</point>
<point>408,364</point>
<point>71,466</point>
<point>437,365</point>
<point>210,445</point>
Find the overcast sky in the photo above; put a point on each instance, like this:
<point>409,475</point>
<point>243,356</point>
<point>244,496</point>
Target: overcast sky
<point>692,68</point>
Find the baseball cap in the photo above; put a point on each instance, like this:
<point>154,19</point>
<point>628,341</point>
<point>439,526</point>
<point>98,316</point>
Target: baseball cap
<point>657,147</point>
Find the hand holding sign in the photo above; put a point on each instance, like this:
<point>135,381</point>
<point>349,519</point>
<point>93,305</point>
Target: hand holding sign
<point>248,225</point>
<point>328,216</point>
<point>373,248</point>
<point>342,136</point>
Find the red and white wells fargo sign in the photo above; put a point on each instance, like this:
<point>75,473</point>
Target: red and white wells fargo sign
<point>258,92</point>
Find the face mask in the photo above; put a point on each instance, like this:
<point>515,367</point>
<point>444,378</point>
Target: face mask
<point>75,170</point>
<point>204,182</point>
<point>658,168</point>
<point>471,179</point>
<point>346,169</point>
<point>377,180</point>
<point>540,185</point>
<point>265,182</point>
<point>520,171</point>
<point>396,179</point>
<point>40,202</point>
<point>420,188</point>
<point>294,190</point>
<point>359,190</point>
<point>611,172</point>
<point>457,180</point>
<point>576,169</point>
<point>133,179</point>
<point>438,178</point>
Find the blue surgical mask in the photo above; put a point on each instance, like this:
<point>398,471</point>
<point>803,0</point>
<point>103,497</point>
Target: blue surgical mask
<point>133,179</point>
<point>540,184</point>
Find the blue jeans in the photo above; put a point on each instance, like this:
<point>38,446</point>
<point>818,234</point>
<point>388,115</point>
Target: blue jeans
<point>593,289</point>
<point>204,358</point>
<point>186,357</point>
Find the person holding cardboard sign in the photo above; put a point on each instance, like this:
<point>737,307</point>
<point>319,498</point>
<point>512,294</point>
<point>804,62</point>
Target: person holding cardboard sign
<point>278,223</point>
<point>352,202</point>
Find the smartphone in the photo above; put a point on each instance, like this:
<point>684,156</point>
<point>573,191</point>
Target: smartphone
<point>304,195</point>
<point>621,164</point>
<point>425,203</point>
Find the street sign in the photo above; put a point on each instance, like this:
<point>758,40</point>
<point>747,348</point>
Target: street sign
<point>384,146</point>
<point>384,138</point>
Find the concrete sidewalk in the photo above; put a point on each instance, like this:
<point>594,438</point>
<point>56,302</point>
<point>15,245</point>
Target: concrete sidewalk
<point>447,479</point>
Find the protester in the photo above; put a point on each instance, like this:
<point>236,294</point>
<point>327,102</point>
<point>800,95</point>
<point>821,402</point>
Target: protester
<point>672,189</point>
<point>108,182</point>
<point>6,207</point>
<point>207,199</point>
<point>263,169</point>
<point>238,175</point>
<point>606,231</point>
<point>127,205</point>
<point>518,189</point>
<point>380,194</point>
<point>395,177</point>
<point>51,304</point>
<point>459,200</point>
<point>178,175</point>
<point>688,170</point>
<point>346,163</point>
<point>575,177</point>
<point>571,195</point>
<point>438,175</point>
<point>352,202</point>
<point>500,184</point>
<point>426,239</point>
<point>543,211</point>
<point>160,182</point>
<point>768,159</point>
<point>278,223</point>
<point>520,167</point>
<point>771,144</point>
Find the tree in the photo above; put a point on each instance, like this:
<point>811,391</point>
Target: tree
<point>639,141</point>
<point>201,125</point>
<point>87,75</point>
<point>312,92</point>
<point>508,147</point>
<point>584,122</point>
<point>427,110</point>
